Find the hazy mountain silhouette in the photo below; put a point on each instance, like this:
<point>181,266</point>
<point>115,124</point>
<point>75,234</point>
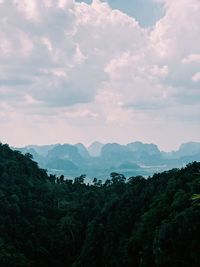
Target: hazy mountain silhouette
<point>95,149</point>
<point>82,150</point>
<point>135,158</point>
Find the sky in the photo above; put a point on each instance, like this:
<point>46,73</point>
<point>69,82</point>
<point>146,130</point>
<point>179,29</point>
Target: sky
<point>112,71</point>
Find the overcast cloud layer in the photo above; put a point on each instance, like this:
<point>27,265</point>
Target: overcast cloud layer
<point>73,72</point>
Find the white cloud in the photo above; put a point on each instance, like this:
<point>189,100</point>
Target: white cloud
<point>192,58</point>
<point>78,63</point>
<point>46,45</point>
<point>65,3</point>
<point>196,77</point>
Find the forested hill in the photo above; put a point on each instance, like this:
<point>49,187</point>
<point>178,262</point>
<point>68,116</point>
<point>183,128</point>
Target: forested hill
<point>49,221</point>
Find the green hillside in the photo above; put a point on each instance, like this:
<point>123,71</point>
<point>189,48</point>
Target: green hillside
<point>52,221</point>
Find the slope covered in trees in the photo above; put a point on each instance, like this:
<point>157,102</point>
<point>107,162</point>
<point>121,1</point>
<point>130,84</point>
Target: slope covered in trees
<point>51,221</point>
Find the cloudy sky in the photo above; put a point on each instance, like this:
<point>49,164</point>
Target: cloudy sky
<point>113,71</point>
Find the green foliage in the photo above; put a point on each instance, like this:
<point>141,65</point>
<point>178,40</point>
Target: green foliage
<point>196,196</point>
<point>52,221</point>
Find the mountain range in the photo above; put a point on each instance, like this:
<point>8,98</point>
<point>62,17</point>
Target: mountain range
<point>100,160</point>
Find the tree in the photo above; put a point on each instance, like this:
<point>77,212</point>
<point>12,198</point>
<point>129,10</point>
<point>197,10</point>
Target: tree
<point>80,179</point>
<point>117,177</point>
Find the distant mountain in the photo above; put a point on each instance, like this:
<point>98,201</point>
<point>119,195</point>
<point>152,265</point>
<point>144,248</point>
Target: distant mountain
<point>185,150</point>
<point>56,164</point>
<point>134,158</point>
<point>150,149</point>
<point>134,152</point>
<point>115,154</point>
<point>41,150</point>
<point>129,166</point>
<point>68,152</point>
<point>95,149</point>
<point>82,150</point>
<point>188,149</point>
